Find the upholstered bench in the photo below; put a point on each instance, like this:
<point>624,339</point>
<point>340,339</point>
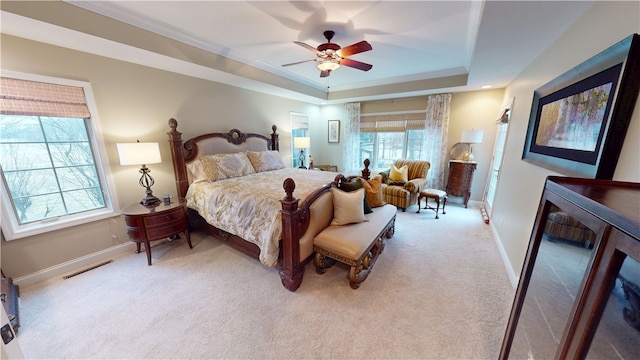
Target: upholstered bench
<point>437,196</point>
<point>357,245</point>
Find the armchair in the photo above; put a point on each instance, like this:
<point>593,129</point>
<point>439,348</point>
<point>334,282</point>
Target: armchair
<point>404,195</point>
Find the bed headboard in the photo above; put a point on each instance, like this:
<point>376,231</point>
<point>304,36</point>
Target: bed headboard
<point>184,152</point>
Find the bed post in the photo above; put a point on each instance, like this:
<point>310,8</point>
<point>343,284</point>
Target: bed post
<point>291,270</point>
<point>365,171</point>
<point>275,142</point>
<point>177,155</point>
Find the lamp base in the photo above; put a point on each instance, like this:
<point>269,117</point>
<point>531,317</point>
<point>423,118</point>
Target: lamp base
<point>150,201</point>
<point>468,156</point>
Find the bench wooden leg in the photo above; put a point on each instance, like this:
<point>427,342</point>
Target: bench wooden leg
<point>322,263</point>
<point>359,272</point>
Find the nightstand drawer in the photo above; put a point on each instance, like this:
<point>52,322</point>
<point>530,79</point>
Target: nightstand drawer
<point>164,218</point>
<point>166,231</point>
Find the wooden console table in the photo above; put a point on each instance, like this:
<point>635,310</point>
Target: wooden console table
<point>460,178</point>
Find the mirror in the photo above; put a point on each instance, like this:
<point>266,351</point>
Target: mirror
<point>562,258</point>
<point>618,334</point>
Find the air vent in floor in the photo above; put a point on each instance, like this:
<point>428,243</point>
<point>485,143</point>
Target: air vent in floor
<point>87,269</point>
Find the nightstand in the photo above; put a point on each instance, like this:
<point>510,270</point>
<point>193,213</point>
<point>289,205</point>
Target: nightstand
<point>145,224</point>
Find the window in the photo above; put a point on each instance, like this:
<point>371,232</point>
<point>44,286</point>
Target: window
<point>52,173</point>
<point>390,136</point>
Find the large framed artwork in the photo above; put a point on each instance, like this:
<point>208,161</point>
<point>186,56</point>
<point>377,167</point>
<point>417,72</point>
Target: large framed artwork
<point>579,120</point>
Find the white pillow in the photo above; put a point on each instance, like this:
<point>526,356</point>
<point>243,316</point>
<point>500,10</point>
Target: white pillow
<point>265,160</point>
<point>348,207</point>
<point>195,172</point>
<point>226,166</point>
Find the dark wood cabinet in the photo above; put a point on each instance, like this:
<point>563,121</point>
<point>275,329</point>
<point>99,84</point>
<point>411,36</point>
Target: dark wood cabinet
<point>460,179</point>
<point>145,224</point>
<point>578,300</point>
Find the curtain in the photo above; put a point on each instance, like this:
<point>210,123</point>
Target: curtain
<point>434,142</point>
<point>351,146</point>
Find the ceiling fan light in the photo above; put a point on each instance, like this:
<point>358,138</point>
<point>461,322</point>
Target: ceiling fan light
<point>328,65</point>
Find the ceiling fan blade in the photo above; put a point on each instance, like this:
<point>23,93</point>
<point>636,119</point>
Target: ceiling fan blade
<point>299,62</point>
<point>324,73</point>
<point>356,64</point>
<point>356,48</point>
<point>308,47</point>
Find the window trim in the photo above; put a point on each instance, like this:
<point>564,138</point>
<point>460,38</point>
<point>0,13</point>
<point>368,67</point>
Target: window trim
<point>11,230</point>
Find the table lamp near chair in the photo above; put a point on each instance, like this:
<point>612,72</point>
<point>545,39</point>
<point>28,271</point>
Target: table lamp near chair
<point>142,154</point>
<point>471,137</point>
<point>301,143</point>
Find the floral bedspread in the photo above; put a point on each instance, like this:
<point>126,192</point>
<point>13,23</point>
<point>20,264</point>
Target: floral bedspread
<point>249,206</point>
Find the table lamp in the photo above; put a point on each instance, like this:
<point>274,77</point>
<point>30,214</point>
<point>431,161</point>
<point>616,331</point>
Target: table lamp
<point>301,143</point>
<point>141,154</point>
<point>470,137</point>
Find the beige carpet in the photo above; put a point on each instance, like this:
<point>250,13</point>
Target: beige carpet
<point>438,291</point>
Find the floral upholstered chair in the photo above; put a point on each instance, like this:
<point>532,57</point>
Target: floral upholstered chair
<point>404,192</point>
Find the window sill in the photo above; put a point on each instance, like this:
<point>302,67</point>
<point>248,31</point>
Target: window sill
<point>48,225</point>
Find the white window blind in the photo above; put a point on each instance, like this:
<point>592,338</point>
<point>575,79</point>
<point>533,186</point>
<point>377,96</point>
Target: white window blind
<point>22,97</point>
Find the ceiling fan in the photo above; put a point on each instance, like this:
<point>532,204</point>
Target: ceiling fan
<point>331,56</point>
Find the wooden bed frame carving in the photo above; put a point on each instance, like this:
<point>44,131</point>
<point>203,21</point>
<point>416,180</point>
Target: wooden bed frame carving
<point>295,215</point>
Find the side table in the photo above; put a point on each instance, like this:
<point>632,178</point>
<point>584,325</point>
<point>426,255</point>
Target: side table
<point>145,224</point>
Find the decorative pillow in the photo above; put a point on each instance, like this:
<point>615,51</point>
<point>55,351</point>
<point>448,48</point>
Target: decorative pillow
<point>265,160</point>
<point>353,186</point>
<point>196,171</point>
<point>385,176</point>
<point>347,207</point>
<point>226,166</point>
<point>399,175</point>
<point>373,191</point>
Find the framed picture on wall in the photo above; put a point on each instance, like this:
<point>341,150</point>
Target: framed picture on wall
<point>578,121</point>
<point>334,131</point>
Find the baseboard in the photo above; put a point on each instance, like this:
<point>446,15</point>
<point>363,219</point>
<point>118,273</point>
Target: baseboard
<point>73,265</point>
<point>474,203</point>
<point>513,277</point>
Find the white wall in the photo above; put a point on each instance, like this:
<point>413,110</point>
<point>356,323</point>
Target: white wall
<point>521,183</point>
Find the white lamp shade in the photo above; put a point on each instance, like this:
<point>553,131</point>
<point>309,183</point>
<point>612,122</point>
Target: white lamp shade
<point>471,136</point>
<point>138,153</point>
<point>301,142</point>
<point>328,65</point>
